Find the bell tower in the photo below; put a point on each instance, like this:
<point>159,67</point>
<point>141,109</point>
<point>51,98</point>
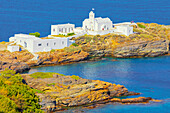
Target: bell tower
<point>91,18</point>
<point>91,15</point>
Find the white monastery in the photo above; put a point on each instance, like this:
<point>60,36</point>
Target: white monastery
<point>91,26</point>
<point>35,44</point>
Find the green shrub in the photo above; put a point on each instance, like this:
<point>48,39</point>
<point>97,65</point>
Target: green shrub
<point>7,105</point>
<point>141,26</point>
<point>15,96</point>
<point>70,34</point>
<point>98,35</point>
<point>60,74</point>
<point>88,39</point>
<point>71,49</point>
<point>53,50</point>
<point>37,34</point>
<point>37,91</point>
<point>75,77</point>
<point>52,84</point>
<point>74,44</point>
<point>42,75</point>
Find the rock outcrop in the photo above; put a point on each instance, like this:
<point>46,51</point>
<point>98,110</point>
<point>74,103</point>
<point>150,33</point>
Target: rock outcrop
<point>53,58</point>
<point>21,61</point>
<point>18,67</point>
<point>60,92</point>
<point>15,61</point>
<point>142,49</point>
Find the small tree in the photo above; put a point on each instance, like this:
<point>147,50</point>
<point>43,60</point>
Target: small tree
<point>74,44</point>
<point>37,34</point>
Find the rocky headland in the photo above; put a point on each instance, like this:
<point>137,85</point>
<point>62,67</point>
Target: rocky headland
<point>60,92</point>
<point>149,40</point>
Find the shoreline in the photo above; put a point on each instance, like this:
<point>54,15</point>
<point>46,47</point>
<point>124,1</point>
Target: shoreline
<point>79,92</point>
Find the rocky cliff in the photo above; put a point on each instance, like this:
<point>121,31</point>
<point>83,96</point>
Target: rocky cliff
<point>142,49</point>
<point>150,40</point>
<point>58,91</point>
<point>15,61</point>
<point>21,61</point>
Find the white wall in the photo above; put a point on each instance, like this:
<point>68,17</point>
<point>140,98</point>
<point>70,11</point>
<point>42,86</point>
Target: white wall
<point>126,30</point>
<point>62,29</point>
<point>49,44</point>
<point>12,48</point>
<point>11,39</point>
<point>34,44</point>
<point>26,43</point>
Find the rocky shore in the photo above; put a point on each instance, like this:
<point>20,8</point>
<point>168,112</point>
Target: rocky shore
<point>142,49</point>
<point>59,92</point>
<point>150,41</point>
<point>22,61</point>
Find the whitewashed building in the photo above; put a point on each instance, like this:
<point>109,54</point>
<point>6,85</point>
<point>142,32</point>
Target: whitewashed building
<point>94,26</point>
<point>35,44</point>
<point>13,48</point>
<point>62,29</point>
<point>124,29</point>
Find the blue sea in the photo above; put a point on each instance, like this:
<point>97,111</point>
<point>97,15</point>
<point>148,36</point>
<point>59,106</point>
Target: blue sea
<point>150,76</point>
<point>25,16</point>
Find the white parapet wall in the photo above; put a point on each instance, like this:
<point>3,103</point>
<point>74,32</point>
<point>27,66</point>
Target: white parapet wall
<point>12,48</point>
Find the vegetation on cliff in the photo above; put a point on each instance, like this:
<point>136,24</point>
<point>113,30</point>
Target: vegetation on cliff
<point>15,96</point>
<point>37,34</point>
<point>157,35</point>
<point>59,92</point>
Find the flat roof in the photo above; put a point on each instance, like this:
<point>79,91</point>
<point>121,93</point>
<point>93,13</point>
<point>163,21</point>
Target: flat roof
<point>63,24</point>
<point>124,23</point>
<point>26,36</point>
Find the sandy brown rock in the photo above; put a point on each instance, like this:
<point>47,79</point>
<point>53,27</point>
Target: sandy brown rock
<point>21,61</point>
<point>52,58</point>
<point>15,60</point>
<point>142,49</point>
<point>66,91</point>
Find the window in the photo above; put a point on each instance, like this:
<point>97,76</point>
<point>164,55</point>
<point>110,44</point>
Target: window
<point>47,44</point>
<point>39,44</point>
<point>25,44</point>
<point>62,42</point>
<point>54,43</point>
<point>54,30</point>
<point>20,41</point>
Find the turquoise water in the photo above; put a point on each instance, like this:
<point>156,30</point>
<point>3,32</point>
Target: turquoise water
<point>25,16</point>
<point>149,76</point>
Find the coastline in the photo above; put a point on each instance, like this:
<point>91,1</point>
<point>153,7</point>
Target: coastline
<point>91,48</point>
<point>60,92</point>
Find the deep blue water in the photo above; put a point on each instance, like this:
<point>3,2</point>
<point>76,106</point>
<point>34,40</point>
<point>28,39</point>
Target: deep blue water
<point>25,16</point>
<point>149,76</point>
